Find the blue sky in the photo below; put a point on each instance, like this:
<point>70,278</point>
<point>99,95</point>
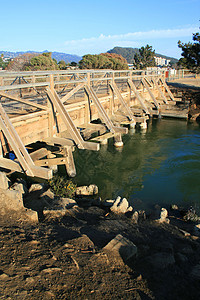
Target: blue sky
<point>81,27</point>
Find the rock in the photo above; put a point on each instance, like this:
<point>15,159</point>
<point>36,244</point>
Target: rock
<point>10,200</point>
<point>108,203</point>
<point>195,273</point>
<point>197,229</point>
<point>142,214</point>
<point>121,206</point>
<point>185,233</point>
<point>31,215</point>
<point>47,196</point>
<point>21,187</point>
<point>191,215</point>
<point>163,216</point>
<point>4,181</point>
<point>67,203</point>
<point>81,243</point>
<point>161,260</point>
<point>54,213</point>
<point>36,187</point>
<point>85,190</point>
<point>51,270</point>
<point>135,217</point>
<point>174,207</point>
<point>4,277</point>
<point>121,246</point>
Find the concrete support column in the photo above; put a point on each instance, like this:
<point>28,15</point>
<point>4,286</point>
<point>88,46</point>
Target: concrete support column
<point>118,140</point>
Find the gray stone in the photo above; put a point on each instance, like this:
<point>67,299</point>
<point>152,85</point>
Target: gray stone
<point>85,190</point>
<point>19,186</point>
<point>120,206</point>
<point>197,229</point>
<point>67,202</point>
<point>31,215</point>
<point>135,217</point>
<point>121,246</point>
<point>4,181</point>
<point>108,203</point>
<point>174,207</point>
<point>36,187</point>
<point>48,195</point>
<point>161,260</point>
<point>163,216</point>
<point>10,200</point>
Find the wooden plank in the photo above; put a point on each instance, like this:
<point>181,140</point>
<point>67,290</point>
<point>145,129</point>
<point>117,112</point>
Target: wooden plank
<point>138,96</point>
<point>101,110</point>
<point>123,103</point>
<point>167,89</point>
<point>51,161</point>
<point>66,118</point>
<point>42,152</point>
<point>10,165</point>
<point>122,130</point>
<point>103,137</point>
<point>160,91</point>
<point>150,93</point>
<point>23,101</point>
<point>72,92</point>
<point>58,141</point>
<point>70,166</point>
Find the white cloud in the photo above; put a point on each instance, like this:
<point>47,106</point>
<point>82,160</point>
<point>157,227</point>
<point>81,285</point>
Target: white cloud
<point>132,39</point>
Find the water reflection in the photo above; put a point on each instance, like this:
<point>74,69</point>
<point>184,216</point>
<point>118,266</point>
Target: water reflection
<point>160,165</point>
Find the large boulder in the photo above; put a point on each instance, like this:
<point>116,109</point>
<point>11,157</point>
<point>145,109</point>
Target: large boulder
<point>121,246</point>
<point>4,181</point>
<point>121,206</point>
<point>85,190</point>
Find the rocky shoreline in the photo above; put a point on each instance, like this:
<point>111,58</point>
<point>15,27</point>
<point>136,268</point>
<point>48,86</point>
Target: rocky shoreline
<point>85,248</point>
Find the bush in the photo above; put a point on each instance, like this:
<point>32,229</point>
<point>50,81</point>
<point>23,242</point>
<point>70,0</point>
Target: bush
<point>62,187</point>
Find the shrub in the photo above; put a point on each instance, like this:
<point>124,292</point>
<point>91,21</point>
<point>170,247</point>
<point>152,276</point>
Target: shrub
<point>62,187</point>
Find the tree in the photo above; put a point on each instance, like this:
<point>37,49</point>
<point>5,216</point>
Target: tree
<point>145,58</point>
<point>103,61</point>
<point>191,54</point>
<point>62,65</point>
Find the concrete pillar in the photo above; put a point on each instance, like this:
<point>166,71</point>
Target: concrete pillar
<point>143,125</point>
<point>132,124</point>
<point>118,141</point>
<point>104,142</point>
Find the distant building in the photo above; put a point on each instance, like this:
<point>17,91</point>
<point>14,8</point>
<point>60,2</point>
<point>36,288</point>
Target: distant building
<point>160,61</point>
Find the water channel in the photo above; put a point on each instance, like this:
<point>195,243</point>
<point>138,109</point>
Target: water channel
<point>158,166</point>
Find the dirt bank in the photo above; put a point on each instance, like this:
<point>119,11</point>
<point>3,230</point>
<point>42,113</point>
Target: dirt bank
<point>62,257</point>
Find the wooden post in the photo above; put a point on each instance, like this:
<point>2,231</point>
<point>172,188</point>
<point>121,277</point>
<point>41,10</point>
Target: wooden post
<point>51,108</point>
<point>111,102</point>
<point>1,81</point>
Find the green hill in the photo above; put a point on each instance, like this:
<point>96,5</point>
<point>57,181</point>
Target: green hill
<point>128,54</point>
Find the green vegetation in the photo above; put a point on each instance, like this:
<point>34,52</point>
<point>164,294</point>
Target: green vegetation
<point>191,54</point>
<point>3,64</point>
<point>103,61</point>
<point>41,62</point>
<point>145,58</point>
<point>62,187</point>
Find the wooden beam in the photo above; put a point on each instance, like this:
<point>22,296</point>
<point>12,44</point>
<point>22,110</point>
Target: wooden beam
<point>138,96</point>
<point>10,165</point>
<point>42,152</point>
<point>70,166</point>
<point>23,101</point>
<point>72,92</point>
<point>150,93</point>
<point>73,131</point>
<point>160,91</point>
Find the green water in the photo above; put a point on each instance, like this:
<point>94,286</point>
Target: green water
<point>159,166</point>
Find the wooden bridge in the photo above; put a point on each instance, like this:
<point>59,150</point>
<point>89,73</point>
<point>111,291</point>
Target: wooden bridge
<point>45,115</point>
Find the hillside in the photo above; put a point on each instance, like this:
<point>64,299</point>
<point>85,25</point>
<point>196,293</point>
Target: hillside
<point>128,54</point>
<point>68,58</point>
